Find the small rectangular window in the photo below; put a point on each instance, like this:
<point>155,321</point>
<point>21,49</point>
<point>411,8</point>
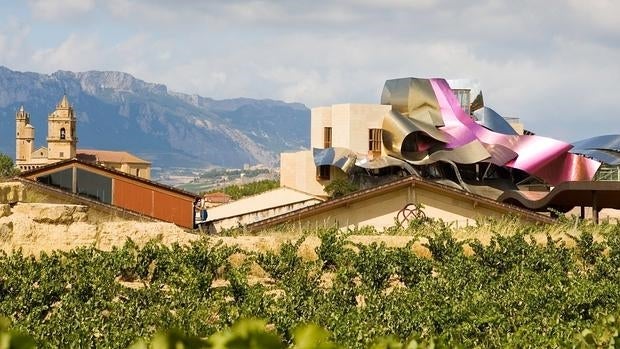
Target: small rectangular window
<point>327,137</point>
<point>374,140</point>
<point>322,172</point>
<point>62,154</point>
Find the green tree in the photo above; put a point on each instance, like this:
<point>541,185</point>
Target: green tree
<point>237,192</point>
<point>340,187</point>
<point>7,167</point>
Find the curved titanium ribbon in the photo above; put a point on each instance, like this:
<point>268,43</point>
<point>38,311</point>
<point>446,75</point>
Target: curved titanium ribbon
<point>604,148</point>
<point>342,158</point>
<point>490,119</point>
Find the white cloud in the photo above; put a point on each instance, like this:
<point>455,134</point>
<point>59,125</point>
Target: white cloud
<point>59,9</point>
<point>14,51</point>
<point>136,10</point>
<point>533,58</point>
<point>78,52</point>
<point>395,4</point>
<point>602,14</point>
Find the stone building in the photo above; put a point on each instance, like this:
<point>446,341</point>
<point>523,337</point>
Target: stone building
<point>62,145</point>
<point>352,130</point>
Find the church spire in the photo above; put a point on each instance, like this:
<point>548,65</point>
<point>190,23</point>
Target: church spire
<point>22,115</point>
<point>64,103</point>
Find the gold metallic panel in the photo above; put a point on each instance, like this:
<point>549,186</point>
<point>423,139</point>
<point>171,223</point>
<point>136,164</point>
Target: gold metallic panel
<point>411,95</point>
<point>397,129</point>
<point>470,153</point>
<point>477,103</point>
<point>383,161</point>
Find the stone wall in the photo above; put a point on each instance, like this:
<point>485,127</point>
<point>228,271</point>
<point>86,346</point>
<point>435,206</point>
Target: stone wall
<point>39,227</point>
<point>11,192</point>
<point>34,221</point>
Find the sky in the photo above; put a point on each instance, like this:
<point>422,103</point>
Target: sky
<point>554,64</point>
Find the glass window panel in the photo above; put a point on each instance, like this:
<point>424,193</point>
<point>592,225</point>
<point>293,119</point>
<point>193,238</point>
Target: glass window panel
<point>94,186</point>
<point>61,179</point>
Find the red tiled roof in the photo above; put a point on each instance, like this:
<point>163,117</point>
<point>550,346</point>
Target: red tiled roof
<point>109,156</point>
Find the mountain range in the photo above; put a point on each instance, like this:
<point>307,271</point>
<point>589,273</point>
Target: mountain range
<point>116,111</point>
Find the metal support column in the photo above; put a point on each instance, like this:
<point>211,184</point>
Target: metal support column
<point>74,179</point>
<point>595,208</point>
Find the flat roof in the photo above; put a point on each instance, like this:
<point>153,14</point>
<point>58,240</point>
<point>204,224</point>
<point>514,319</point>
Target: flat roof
<point>271,199</point>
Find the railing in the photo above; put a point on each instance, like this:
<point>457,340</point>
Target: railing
<point>608,173</point>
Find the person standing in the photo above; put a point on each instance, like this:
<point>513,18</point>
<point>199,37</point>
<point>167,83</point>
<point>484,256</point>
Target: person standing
<point>203,209</point>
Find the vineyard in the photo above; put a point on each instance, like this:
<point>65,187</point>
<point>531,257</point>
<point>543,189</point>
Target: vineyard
<point>510,291</point>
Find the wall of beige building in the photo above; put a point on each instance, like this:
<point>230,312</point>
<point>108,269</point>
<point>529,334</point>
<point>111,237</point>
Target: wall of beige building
<point>382,210</point>
<point>350,124</point>
<point>297,171</point>
<point>138,170</point>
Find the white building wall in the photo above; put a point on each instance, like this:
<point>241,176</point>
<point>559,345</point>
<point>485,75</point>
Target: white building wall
<point>341,125</point>
<point>350,124</point>
<point>320,118</point>
<point>297,171</point>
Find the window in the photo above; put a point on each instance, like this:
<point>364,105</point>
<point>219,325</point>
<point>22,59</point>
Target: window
<point>62,179</point>
<point>62,154</point>
<point>94,186</point>
<point>322,172</point>
<point>374,140</point>
<point>327,137</point>
<point>464,100</point>
<point>62,133</point>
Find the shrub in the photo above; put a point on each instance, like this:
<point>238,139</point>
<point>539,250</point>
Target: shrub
<point>340,187</point>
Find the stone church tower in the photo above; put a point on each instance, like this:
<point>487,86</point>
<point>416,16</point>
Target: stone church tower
<point>61,136</point>
<point>24,137</point>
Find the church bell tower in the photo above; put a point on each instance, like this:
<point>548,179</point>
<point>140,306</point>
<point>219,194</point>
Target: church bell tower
<point>61,136</point>
<point>24,137</point>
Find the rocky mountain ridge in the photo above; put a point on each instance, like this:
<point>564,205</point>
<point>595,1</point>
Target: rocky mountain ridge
<point>117,111</point>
